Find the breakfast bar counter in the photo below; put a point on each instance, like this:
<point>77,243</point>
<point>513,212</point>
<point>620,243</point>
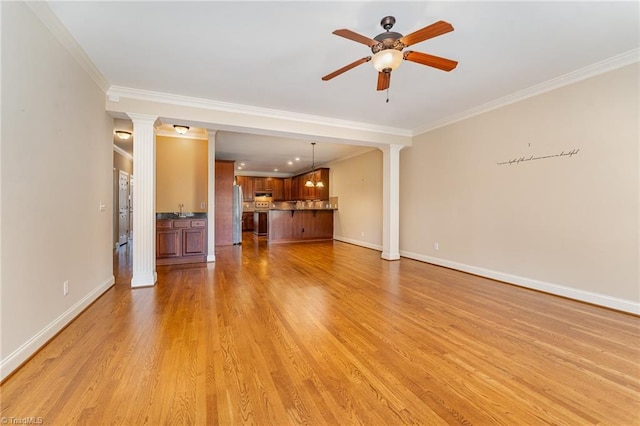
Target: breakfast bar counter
<point>295,225</point>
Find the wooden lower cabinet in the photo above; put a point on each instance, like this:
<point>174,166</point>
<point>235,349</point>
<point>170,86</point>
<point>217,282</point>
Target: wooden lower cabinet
<point>300,225</point>
<point>181,241</point>
<point>260,220</point>
<point>247,221</point>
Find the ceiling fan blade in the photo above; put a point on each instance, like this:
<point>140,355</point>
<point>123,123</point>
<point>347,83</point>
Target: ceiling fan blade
<point>443,64</point>
<point>355,37</point>
<point>346,68</point>
<point>384,79</point>
<point>430,31</point>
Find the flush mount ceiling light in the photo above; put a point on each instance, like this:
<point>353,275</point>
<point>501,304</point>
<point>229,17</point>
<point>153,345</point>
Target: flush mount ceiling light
<point>123,134</point>
<point>181,129</point>
<point>311,182</point>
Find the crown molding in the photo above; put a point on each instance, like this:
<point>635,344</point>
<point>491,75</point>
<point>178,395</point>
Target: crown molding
<point>42,10</point>
<point>116,92</point>
<point>122,152</point>
<point>598,68</point>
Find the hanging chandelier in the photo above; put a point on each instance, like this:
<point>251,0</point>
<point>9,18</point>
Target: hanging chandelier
<point>311,182</point>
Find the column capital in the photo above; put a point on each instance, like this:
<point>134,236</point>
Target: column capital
<point>142,118</point>
<point>391,147</point>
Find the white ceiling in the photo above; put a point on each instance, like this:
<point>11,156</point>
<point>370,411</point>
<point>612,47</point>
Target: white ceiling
<point>273,54</point>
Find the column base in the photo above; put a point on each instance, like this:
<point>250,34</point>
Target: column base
<point>144,280</point>
<point>211,258</point>
<point>390,256</point>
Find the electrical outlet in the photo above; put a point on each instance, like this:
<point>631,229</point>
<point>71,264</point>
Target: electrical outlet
<point>65,287</point>
<point>436,246</point>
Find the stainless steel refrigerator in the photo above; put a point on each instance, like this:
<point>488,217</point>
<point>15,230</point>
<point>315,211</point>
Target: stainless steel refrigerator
<point>237,214</point>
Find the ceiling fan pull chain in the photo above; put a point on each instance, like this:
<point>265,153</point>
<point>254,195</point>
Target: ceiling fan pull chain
<point>387,95</point>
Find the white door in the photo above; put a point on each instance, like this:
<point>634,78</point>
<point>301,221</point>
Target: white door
<point>123,207</point>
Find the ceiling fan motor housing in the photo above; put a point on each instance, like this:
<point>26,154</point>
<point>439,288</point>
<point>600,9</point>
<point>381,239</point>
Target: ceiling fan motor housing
<point>387,39</point>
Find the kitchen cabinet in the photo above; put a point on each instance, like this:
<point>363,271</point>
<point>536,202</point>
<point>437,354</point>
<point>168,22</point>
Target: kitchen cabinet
<point>277,186</point>
<point>295,188</point>
<point>246,182</point>
<point>181,241</point>
<point>286,186</point>
<point>247,221</point>
<point>287,189</point>
<point>260,223</point>
<point>259,184</point>
<point>224,173</point>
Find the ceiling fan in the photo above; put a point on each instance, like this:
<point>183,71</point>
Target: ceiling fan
<point>387,50</point>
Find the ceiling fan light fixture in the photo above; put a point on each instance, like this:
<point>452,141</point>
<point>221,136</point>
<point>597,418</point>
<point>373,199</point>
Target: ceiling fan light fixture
<point>387,60</point>
<point>123,134</point>
<point>181,129</point>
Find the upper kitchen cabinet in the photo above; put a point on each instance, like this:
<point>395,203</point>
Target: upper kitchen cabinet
<point>246,182</point>
<point>277,186</point>
<point>259,184</point>
<point>286,183</point>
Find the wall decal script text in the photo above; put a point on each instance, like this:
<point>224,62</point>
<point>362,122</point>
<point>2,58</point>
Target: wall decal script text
<point>516,161</point>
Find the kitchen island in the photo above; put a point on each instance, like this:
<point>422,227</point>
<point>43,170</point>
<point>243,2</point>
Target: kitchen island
<point>295,225</point>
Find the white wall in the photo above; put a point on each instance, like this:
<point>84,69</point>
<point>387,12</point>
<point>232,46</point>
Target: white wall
<point>357,182</point>
<point>569,225</point>
<point>56,170</point>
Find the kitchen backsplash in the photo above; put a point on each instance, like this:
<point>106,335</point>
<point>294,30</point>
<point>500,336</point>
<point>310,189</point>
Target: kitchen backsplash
<point>332,203</point>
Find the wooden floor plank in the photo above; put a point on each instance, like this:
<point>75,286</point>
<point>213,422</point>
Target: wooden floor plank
<point>329,333</point>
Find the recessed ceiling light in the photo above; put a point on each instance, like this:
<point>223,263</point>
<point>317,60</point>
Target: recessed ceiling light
<point>297,158</point>
<point>275,170</point>
<point>239,168</point>
<point>289,162</point>
<point>242,164</point>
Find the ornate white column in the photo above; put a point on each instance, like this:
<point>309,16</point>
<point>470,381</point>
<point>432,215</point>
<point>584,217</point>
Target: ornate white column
<point>144,202</point>
<point>391,202</point>
<point>211,194</point>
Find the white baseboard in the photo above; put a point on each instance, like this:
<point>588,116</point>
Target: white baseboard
<point>358,243</point>
<point>31,346</point>
<point>211,258</point>
<point>616,303</point>
<point>624,305</point>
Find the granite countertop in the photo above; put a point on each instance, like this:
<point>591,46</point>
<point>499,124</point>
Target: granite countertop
<point>188,215</point>
<point>294,209</point>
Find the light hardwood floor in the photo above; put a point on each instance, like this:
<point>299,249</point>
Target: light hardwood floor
<point>328,333</point>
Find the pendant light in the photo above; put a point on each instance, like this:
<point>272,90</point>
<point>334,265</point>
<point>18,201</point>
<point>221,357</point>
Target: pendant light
<point>311,182</point>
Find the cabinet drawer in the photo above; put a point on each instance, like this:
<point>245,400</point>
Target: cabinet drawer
<point>163,224</point>
<point>200,223</point>
<point>181,223</point>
